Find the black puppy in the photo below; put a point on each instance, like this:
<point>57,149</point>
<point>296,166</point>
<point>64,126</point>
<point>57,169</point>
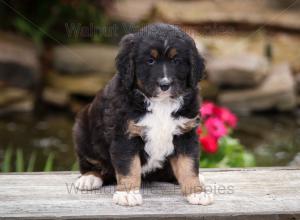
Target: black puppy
<point>142,125</point>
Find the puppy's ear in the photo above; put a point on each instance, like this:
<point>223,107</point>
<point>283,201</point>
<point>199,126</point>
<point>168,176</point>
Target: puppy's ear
<point>124,60</point>
<point>197,67</point>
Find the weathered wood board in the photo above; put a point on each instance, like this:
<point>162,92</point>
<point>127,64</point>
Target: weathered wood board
<point>258,193</point>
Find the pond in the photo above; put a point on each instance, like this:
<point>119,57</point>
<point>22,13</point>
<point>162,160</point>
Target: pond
<point>273,138</point>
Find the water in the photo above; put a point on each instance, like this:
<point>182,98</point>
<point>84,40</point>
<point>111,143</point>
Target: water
<point>43,135</point>
<point>273,138</point>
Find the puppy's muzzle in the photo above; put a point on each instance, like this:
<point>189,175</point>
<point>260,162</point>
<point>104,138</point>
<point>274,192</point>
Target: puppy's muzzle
<point>164,84</point>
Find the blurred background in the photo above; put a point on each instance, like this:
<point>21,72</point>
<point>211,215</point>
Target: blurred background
<point>56,54</point>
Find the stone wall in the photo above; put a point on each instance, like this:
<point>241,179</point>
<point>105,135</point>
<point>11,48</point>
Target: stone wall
<point>248,70</point>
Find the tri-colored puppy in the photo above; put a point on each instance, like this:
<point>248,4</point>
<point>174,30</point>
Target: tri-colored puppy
<point>142,124</point>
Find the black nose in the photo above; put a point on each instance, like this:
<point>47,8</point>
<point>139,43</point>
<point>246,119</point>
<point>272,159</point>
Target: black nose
<point>165,84</point>
<point>165,87</point>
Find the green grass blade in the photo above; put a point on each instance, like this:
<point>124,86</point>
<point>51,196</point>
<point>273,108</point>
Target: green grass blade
<point>75,166</point>
<point>31,162</point>
<point>7,160</point>
<point>19,161</point>
<point>49,163</point>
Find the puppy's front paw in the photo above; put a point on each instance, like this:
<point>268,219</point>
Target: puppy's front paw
<point>201,198</point>
<point>130,198</point>
<point>88,182</point>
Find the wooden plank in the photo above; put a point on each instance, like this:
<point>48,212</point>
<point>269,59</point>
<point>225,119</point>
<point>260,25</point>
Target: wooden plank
<point>258,193</point>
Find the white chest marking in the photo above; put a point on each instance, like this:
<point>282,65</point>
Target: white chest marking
<point>160,129</point>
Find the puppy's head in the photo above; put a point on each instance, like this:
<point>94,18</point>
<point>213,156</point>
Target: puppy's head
<point>160,60</point>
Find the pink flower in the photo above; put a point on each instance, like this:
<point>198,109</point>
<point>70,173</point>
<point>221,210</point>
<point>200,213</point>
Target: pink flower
<point>199,130</point>
<point>209,144</point>
<point>207,109</point>
<point>226,116</point>
<point>215,127</point>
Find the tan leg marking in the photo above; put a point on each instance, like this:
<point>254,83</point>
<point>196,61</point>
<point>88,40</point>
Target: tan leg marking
<point>94,162</point>
<point>132,181</point>
<point>187,178</point>
<point>128,187</point>
<point>134,130</point>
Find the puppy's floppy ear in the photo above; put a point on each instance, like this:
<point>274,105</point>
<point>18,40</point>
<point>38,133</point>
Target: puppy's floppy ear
<point>124,60</point>
<point>197,67</point>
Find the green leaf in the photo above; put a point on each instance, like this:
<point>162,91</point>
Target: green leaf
<point>249,160</point>
<point>7,160</point>
<point>230,154</point>
<point>75,166</point>
<point>23,26</point>
<point>19,161</point>
<point>49,163</point>
<point>31,162</point>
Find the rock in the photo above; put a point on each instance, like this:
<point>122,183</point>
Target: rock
<point>286,48</point>
<point>208,90</point>
<point>15,99</point>
<point>82,58</point>
<point>19,63</point>
<point>198,40</point>
<point>277,91</point>
<point>56,97</point>
<point>22,106</point>
<point>297,79</point>
<point>239,70</point>
<point>232,43</point>
<point>252,12</point>
<point>123,10</point>
<point>86,85</point>
<point>286,4</point>
<point>13,95</point>
<point>283,47</point>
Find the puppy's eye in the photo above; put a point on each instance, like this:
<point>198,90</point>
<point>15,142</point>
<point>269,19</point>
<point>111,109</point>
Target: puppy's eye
<point>150,61</point>
<point>175,61</point>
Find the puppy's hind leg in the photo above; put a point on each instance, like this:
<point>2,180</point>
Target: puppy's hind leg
<point>91,178</point>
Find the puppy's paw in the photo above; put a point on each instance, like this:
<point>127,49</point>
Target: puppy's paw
<point>130,198</point>
<point>88,182</point>
<point>201,198</point>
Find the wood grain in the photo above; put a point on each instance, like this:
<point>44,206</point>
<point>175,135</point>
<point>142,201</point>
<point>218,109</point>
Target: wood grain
<point>258,193</point>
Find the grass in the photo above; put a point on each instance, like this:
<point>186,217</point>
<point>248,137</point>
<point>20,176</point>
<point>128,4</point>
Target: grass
<point>49,163</point>
<point>31,163</point>
<point>20,164</point>
<point>7,160</point>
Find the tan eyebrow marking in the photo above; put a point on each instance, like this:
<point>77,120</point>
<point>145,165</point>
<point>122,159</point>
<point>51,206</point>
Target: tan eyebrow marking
<point>154,53</point>
<point>172,53</point>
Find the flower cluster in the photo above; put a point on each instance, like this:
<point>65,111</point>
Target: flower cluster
<point>217,122</point>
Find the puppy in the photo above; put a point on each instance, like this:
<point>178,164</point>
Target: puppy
<point>142,125</point>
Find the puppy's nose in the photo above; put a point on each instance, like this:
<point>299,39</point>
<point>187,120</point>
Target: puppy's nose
<point>164,86</point>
